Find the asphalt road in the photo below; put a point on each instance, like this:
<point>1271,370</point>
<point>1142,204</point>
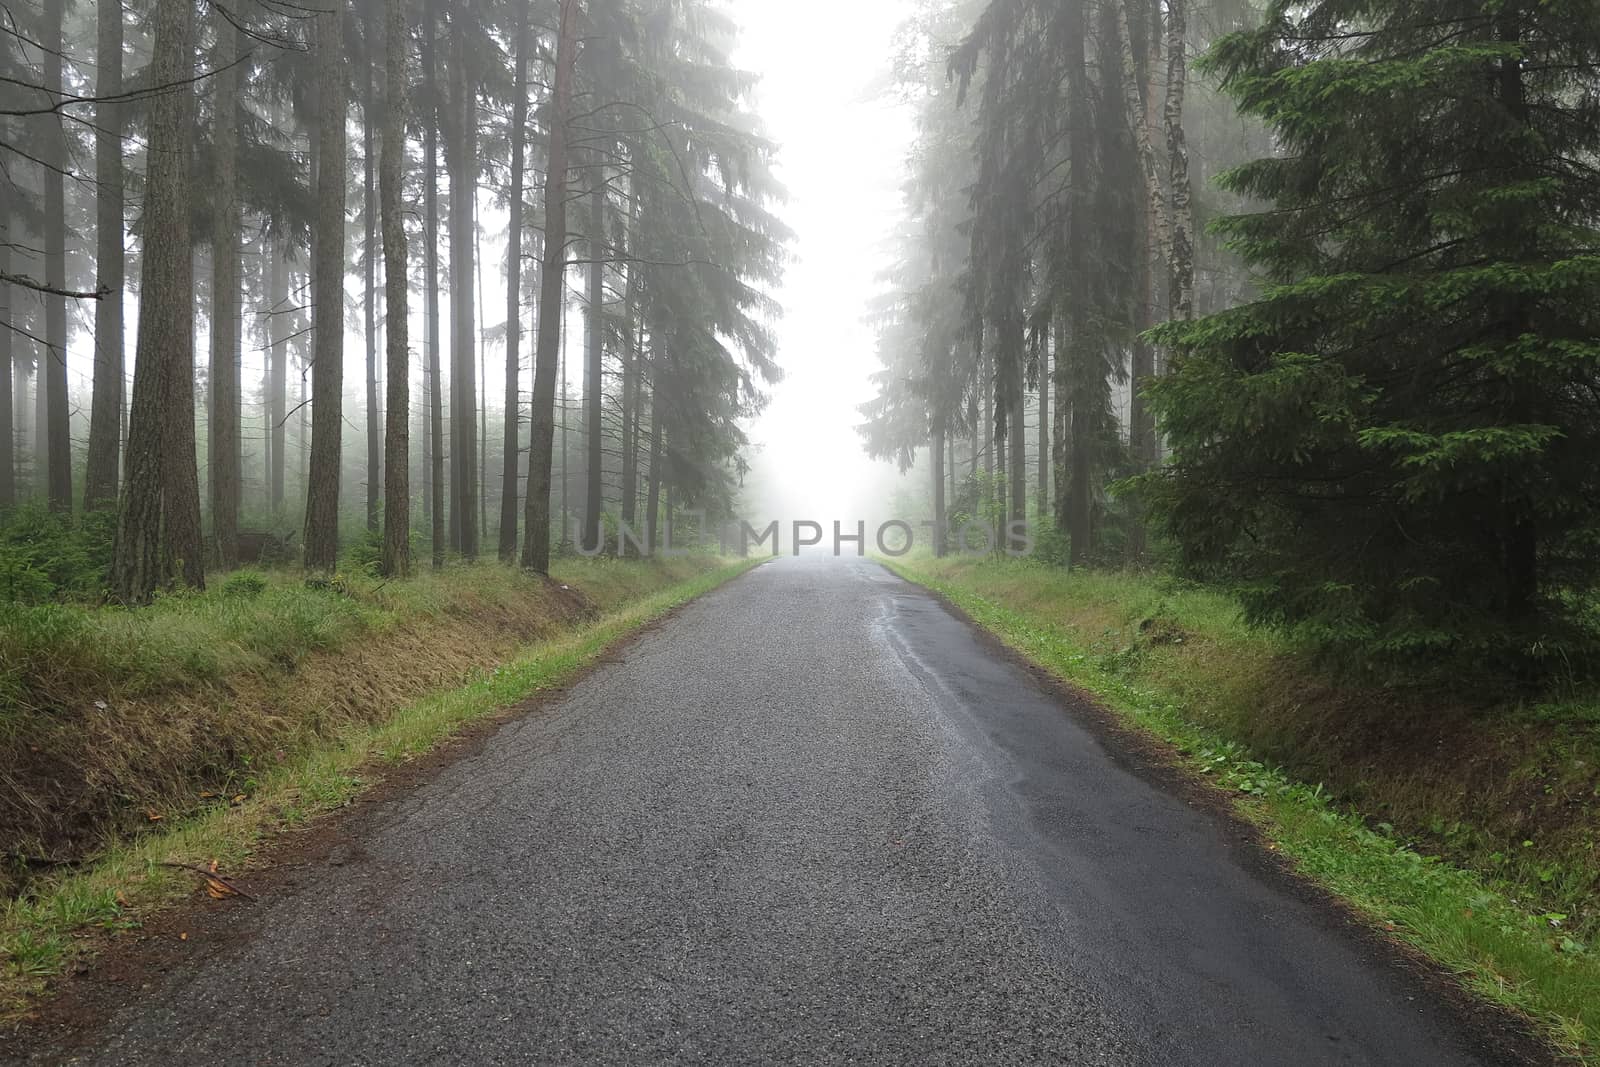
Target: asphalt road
<point>814,818</point>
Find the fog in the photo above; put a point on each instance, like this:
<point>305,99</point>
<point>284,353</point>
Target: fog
<point>842,150</point>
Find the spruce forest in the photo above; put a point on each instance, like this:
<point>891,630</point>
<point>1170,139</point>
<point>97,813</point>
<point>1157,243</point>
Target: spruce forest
<point>1299,300</point>
<point>410,413</point>
<point>280,184</point>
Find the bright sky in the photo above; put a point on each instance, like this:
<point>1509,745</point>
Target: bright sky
<point>842,158</point>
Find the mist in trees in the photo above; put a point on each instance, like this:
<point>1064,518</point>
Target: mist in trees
<point>1345,365</point>
<point>265,187</point>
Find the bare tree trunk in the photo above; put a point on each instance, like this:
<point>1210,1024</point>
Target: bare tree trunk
<point>57,437</point>
<point>566,479</point>
<point>40,427</point>
<point>166,320</point>
<point>223,453</point>
<point>652,502</point>
<point>423,429</point>
<point>1002,471</point>
<point>1078,500</point>
<point>269,252</point>
<point>185,543</point>
<point>482,394</point>
<point>396,558</point>
<point>369,209</point>
<point>509,468</point>
<point>1044,428</point>
<point>593,371</point>
<point>8,431</point>
<point>105,408</point>
<point>1157,231</point>
<point>536,538</point>
<point>430,226</point>
<point>327,372</point>
<point>278,376</point>
<point>1180,295</point>
<point>985,432</point>
<point>940,515</point>
<point>1018,428</point>
<point>630,402</point>
<point>462,162</point>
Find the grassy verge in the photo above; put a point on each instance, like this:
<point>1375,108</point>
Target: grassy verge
<point>58,918</point>
<point>1468,832</point>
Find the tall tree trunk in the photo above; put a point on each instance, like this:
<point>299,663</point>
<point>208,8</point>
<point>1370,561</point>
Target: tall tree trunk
<point>430,226</point>
<point>268,265</point>
<point>482,394</point>
<point>40,482</point>
<point>105,406</point>
<point>8,431</point>
<point>57,436</point>
<point>1070,372</point>
<point>369,210</point>
<point>509,467</point>
<point>223,453</point>
<point>566,479</point>
<point>652,502</point>
<point>1044,428</point>
<point>1180,294</point>
<point>940,514</point>
<point>166,322</point>
<point>25,420</point>
<point>552,279</point>
<point>630,401</point>
<point>1018,428</point>
<point>593,371</point>
<point>985,433</point>
<point>278,375</point>
<point>396,559</point>
<point>1157,231</point>
<point>462,162</point>
<point>327,372</point>
<point>1002,471</point>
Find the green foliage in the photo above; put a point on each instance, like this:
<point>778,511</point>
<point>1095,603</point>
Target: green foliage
<point>365,554</point>
<point>245,585</point>
<point>45,556</point>
<point>1391,451</point>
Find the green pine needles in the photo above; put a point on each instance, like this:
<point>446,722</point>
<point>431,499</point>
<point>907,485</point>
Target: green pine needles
<point>1395,448</point>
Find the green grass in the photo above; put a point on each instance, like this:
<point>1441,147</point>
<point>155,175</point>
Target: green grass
<point>1177,662</point>
<point>46,928</point>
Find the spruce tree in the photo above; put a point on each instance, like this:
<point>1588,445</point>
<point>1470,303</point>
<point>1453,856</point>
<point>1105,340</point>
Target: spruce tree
<point>1392,448</point>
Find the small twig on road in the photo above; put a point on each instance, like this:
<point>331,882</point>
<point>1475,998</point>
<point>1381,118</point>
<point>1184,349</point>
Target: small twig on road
<point>209,876</point>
